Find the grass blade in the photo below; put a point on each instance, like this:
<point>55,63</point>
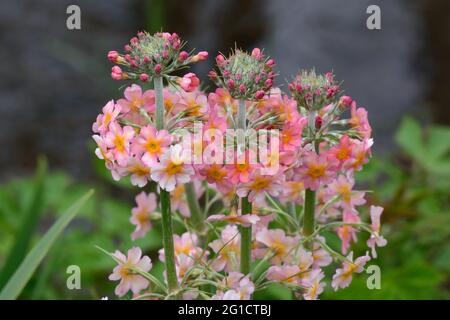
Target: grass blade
<point>26,269</point>
<point>28,225</point>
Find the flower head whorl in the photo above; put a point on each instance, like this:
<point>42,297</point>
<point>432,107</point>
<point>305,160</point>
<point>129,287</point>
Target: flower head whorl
<point>148,56</point>
<point>246,76</point>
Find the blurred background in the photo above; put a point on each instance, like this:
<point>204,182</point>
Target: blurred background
<point>54,81</point>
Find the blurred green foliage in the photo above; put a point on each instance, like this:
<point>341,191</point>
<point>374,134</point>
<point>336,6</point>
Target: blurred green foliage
<point>413,185</point>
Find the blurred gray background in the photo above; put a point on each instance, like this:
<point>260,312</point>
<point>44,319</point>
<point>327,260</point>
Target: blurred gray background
<point>54,81</point>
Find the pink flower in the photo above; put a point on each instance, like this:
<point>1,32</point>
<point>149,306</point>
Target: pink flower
<point>135,99</point>
<point>239,287</point>
<point>291,191</point>
<point>228,249</point>
<point>291,135</point>
<point>360,122</point>
<point>260,185</point>
<point>172,169</point>
<point>140,215</point>
<point>343,151</point>
<point>109,114</point>
<point>215,174</point>
<point>375,238</point>
<point>186,244</point>
<point>316,170</point>
<point>139,172</point>
<point>343,276</point>
<point>124,272</point>
<point>118,140</point>
<point>151,144</point>
<point>321,257</point>
<point>189,82</point>
<point>276,243</point>
<point>342,187</point>
<point>314,285</point>
<point>241,169</point>
<point>245,220</point>
<point>361,152</point>
<point>347,233</point>
<point>285,273</point>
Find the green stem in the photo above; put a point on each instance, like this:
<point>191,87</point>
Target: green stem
<point>246,207</point>
<point>308,216</point>
<point>246,239</point>
<point>167,228</point>
<point>291,209</point>
<point>169,251</point>
<point>197,214</point>
<point>160,110</point>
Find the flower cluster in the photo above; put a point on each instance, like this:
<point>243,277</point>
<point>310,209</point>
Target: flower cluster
<point>272,196</point>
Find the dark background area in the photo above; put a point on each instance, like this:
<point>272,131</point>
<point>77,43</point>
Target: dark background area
<point>54,81</point>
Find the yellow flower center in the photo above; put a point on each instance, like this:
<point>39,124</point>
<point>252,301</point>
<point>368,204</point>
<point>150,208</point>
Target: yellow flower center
<point>153,146</point>
<point>174,168</point>
<point>119,143</point>
<point>316,171</point>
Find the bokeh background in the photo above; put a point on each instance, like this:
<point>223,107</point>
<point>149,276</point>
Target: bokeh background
<point>54,81</point>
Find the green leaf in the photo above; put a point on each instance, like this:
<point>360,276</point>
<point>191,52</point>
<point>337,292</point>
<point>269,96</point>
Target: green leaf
<point>28,225</point>
<point>26,269</point>
<point>409,137</point>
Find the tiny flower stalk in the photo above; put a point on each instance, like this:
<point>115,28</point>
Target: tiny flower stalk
<point>167,227</point>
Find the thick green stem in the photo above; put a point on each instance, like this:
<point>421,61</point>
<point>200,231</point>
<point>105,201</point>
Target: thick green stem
<point>246,206</point>
<point>159,101</point>
<point>197,214</point>
<point>169,251</point>
<point>246,239</point>
<point>167,228</point>
<point>308,216</point>
<point>241,115</point>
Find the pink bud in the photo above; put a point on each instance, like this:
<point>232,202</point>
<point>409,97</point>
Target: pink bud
<point>112,56</point>
<point>144,77</point>
<point>346,101</point>
<point>318,122</point>
<point>116,73</point>
<point>242,88</point>
<point>183,55</point>
<point>212,75</point>
<point>127,47</point>
<point>157,68</point>
<point>270,63</point>
<point>189,82</point>
<point>259,94</point>
<point>134,40</point>
<point>256,53</point>
<point>268,83</point>
<point>146,59</point>
<point>230,84</point>
<point>203,55</point>
<point>220,60</point>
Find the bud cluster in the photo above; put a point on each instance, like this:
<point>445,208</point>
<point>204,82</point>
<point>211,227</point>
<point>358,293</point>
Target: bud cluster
<point>149,55</point>
<point>246,76</point>
<point>313,91</point>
